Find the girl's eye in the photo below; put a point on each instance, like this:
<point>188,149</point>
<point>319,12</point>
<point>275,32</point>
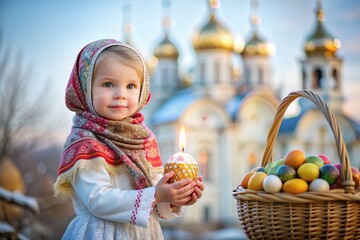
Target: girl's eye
<point>108,84</point>
<point>131,86</point>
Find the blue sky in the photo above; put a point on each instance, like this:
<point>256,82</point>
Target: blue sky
<point>49,34</point>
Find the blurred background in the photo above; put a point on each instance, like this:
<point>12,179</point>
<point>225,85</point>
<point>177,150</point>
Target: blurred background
<point>219,68</point>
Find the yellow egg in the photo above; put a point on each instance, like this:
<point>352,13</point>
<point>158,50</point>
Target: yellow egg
<point>272,184</point>
<point>256,181</point>
<point>308,171</point>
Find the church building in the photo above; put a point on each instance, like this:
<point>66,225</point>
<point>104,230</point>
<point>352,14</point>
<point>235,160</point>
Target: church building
<point>228,107</point>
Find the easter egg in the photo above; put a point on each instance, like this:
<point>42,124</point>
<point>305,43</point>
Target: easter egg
<point>286,173</point>
<point>280,162</point>
<point>314,159</point>
<point>183,165</point>
<point>319,185</point>
<point>273,170</point>
<point>256,181</point>
<point>294,158</point>
<point>329,173</point>
<point>261,169</point>
<point>325,158</point>
<point>272,184</point>
<point>296,185</point>
<point>269,165</point>
<point>245,179</point>
<point>355,176</point>
<point>308,171</point>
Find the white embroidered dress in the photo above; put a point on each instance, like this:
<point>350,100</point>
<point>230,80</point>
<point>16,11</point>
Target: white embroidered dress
<point>108,207</point>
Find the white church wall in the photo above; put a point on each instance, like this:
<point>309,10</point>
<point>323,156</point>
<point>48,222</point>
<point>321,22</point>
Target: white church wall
<point>214,75</point>
<point>258,71</point>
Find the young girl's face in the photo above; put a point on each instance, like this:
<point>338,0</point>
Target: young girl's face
<point>115,88</point>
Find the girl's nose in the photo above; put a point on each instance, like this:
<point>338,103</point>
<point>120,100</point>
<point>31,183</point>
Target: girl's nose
<point>119,95</point>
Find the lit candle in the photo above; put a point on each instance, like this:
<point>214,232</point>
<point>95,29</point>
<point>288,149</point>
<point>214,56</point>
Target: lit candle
<point>182,164</point>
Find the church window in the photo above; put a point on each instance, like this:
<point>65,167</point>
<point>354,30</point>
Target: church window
<point>202,73</point>
<point>303,72</point>
<point>217,72</point>
<point>164,77</point>
<point>334,75</point>
<point>247,77</point>
<point>261,76</point>
<point>317,78</point>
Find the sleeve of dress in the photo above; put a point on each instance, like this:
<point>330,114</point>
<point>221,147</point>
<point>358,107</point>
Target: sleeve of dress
<point>103,200</point>
<point>163,209</point>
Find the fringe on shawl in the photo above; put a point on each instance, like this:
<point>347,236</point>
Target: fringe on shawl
<point>62,186</point>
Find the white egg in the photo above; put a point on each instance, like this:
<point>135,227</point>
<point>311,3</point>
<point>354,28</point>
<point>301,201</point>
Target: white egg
<point>272,184</point>
<point>319,185</point>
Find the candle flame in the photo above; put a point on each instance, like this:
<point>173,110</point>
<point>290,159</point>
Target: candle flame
<point>182,139</point>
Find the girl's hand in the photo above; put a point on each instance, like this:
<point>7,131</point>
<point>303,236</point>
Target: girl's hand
<point>177,193</point>
<point>199,188</point>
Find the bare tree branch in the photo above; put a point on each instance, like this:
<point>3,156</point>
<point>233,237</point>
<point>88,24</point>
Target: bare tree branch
<point>22,105</point>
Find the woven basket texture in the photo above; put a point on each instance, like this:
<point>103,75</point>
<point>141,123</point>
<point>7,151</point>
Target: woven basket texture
<point>310,215</point>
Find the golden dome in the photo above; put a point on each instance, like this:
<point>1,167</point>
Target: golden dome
<point>321,42</point>
<point>213,36</point>
<point>256,46</point>
<point>166,49</point>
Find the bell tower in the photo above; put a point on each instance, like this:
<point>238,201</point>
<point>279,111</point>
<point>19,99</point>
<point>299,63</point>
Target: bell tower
<point>256,56</point>
<point>214,46</point>
<point>322,68</point>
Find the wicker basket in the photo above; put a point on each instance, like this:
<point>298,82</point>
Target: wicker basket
<point>310,215</point>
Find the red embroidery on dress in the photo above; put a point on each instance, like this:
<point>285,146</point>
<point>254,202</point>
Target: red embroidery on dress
<point>160,216</point>
<point>136,207</point>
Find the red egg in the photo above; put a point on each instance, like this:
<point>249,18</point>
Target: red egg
<point>325,158</point>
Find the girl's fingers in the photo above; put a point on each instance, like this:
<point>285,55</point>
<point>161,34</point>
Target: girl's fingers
<point>192,200</point>
<point>182,183</point>
<point>200,185</point>
<point>182,201</point>
<point>198,192</point>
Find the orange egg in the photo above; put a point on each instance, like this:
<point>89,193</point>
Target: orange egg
<point>245,179</point>
<point>294,158</point>
<point>296,185</point>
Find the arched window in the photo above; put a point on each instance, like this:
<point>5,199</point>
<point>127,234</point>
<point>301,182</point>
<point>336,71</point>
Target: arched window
<point>247,77</point>
<point>217,71</point>
<point>334,75</point>
<point>317,78</point>
<point>261,76</point>
<point>303,78</point>
<point>202,73</point>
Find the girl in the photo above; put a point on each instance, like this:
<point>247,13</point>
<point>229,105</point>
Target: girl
<point>110,165</point>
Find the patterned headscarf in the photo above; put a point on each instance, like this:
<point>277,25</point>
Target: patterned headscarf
<point>127,141</point>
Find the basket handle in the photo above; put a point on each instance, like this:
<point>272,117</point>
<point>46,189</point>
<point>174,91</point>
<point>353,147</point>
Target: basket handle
<point>345,170</point>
